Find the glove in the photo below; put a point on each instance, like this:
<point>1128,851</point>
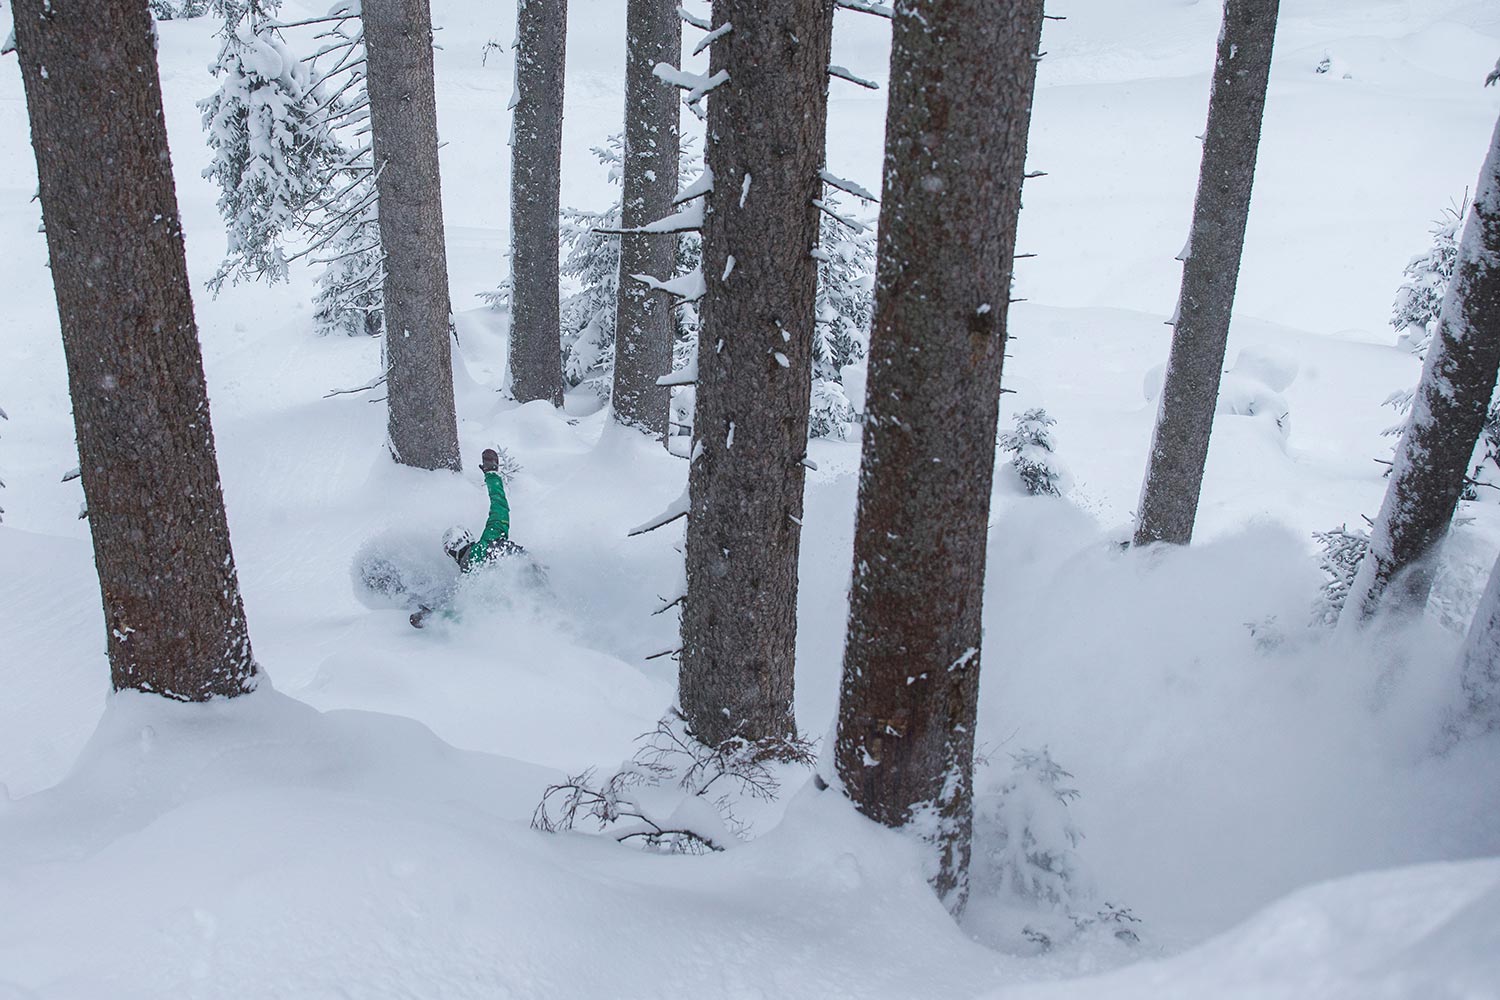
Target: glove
<point>490,460</point>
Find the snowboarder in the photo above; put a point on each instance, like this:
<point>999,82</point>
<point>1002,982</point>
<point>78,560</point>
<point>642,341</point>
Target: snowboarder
<point>493,543</point>
<point>495,539</point>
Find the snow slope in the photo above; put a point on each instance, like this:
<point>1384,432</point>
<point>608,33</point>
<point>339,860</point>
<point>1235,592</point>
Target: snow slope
<point>361,829</point>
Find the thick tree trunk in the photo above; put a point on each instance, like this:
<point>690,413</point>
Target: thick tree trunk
<point>1211,268</point>
<point>145,443</point>
<point>535,168</point>
<point>766,130</point>
<point>644,320</point>
<point>1458,378</point>
<point>403,125</point>
<point>962,77</point>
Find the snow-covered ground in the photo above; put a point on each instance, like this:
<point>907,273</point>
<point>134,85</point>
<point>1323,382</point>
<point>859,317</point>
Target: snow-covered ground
<point>362,830</point>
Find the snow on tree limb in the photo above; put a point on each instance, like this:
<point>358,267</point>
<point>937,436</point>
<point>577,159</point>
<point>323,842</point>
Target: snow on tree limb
<point>844,184</point>
<point>837,216</point>
<point>713,36</point>
<point>689,287</point>
<point>697,85</point>
<point>686,375</point>
<point>677,508</point>
<point>689,220</point>
<point>700,188</point>
<point>864,7</point>
<point>843,73</point>
<point>688,17</point>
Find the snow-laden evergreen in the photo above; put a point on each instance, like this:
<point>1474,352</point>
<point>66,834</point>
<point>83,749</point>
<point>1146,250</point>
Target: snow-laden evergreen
<point>591,262</point>
<point>1341,551</point>
<point>1414,317</point>
<point>1424,280</point>
<point>1033,453</point>
<point>846,269</point>
<point>171,10</point>
<point>291,159</point>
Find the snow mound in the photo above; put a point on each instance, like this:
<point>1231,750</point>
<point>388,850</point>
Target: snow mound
<point>1431,931</point>
<point>260,848</point>
<point>1274,369</point>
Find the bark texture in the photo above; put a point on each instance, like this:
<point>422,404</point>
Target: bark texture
<point>535,169</point>
<point>176,626</point>
<point>1211,268</point>
<point>644,319</point>
<point>962,77</point>
<point>766,130</point>
<point>423,428</point>
<point>1447,416</point>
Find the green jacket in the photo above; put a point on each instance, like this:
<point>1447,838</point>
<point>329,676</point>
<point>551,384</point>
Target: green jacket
<point>495,529</point>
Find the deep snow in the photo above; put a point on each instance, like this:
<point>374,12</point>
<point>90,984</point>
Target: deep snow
<point>362,829</point>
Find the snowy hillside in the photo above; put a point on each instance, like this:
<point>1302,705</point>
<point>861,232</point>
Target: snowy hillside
<point>1265,796</point>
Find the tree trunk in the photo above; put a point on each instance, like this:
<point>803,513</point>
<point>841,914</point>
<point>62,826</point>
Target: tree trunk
<point>1447,415</point>
<point>403,126</point>
<point>962,77</point>
<point>1211,268</point>
<point>535,168</point>
<point>644,320</point>
<point>766,130</point>
<point>1479,665</point>
<point>172,609</point>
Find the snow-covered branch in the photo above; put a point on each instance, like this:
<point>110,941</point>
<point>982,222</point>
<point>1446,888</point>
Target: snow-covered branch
<point>688,220</point>
<point>838,216</point>
<point>844,184</point>
<point>843,73</point>
<point>689,287</point>
<point>677,508</point>
<point>864,7</point>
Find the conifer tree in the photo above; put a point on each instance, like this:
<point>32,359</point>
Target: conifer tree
<point>1448,414</point>
<point>292,159</point>
<point>422,425</point>
<point>1210,271</point>
<point>767,91</point>
<point>535,169</point>
<point>172,610</point>
<point>644,322</point>
<point>959,108</point>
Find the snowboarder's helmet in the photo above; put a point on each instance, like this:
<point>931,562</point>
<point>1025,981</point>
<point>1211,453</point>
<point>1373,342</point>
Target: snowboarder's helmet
<point>456,542</point>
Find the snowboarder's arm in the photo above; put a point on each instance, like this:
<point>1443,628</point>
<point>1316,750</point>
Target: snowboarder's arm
<point>498,525</point>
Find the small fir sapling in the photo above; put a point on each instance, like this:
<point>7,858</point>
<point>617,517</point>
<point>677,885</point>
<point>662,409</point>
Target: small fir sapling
<point>1031,850</point>
<point>509,466</point>
<point>1425,279</point>
<point>1026,866</point>
<point>1033,453</point>
<point>1342,550</point>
